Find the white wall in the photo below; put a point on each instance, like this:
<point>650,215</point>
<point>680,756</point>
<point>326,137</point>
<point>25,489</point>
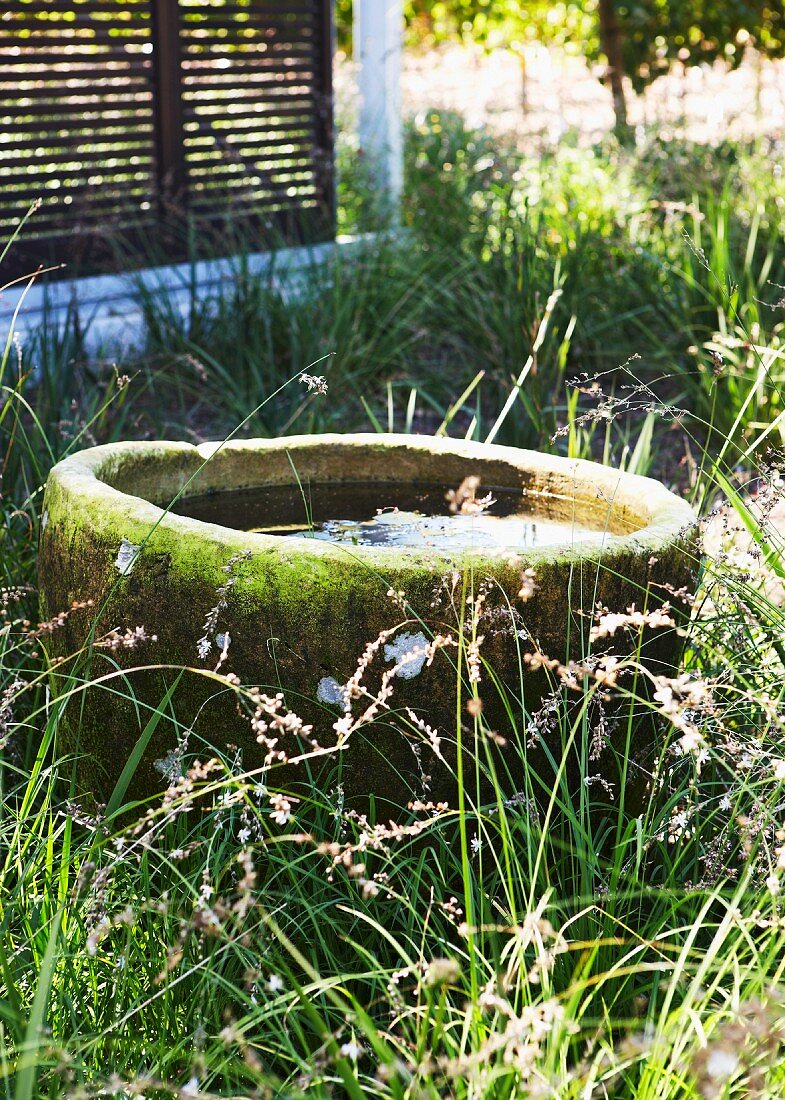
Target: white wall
<point>109,308</point>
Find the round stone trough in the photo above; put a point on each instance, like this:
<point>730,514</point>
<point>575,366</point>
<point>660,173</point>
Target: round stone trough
<point>129,540</point>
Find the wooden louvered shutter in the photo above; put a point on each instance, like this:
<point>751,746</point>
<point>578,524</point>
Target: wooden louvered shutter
<point>136,118</point>
<point>77,126</point>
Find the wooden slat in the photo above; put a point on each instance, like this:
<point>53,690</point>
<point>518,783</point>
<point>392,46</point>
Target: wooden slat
<point>27,136</point>
<point>268,173</point>
<point>274,91</point>
<point>44,36</point>
<point>136,162</point>
<point>102,143</point>
<point>92,102</point>
<point>65,9</point>
<point>81,219</point>
<point>275,68</point>
<point>130,89</point>
<point>120,190</point>
<point>274,117</point>
<point>249,142</point>
<point>39,64</point>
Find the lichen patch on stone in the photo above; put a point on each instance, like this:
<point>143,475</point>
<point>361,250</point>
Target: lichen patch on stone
<point>126,556</point>
<point>330,691</point>
<point>410,651</point>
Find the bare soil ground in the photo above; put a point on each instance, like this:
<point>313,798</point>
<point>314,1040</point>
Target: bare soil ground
<point>560,94</point>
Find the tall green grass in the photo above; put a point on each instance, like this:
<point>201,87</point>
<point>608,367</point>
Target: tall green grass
<point>658,252</point>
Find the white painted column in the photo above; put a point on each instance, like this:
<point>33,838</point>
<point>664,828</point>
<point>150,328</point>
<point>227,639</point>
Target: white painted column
<point>378,42</point>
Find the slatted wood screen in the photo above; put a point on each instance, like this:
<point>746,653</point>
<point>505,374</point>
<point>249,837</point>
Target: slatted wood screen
<point>149,127</point>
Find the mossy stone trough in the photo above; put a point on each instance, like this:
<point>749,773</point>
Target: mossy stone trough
<point>300,611</point>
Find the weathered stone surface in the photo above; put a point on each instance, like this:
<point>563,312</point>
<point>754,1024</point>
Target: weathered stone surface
<point>301,611</point>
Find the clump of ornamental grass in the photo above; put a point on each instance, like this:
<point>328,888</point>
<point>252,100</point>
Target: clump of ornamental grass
<point>414,319</point>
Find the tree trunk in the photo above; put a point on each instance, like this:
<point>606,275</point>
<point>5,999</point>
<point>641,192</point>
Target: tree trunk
<point>610,39</point>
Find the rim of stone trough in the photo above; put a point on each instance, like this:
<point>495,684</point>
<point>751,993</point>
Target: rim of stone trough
<point>117,481</point>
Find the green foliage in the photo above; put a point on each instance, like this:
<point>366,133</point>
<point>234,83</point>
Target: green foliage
<point>218,952</point>
<point>656,33</point>
<point>490,23</point>
<point>212,949</point>
<point>489,233</point>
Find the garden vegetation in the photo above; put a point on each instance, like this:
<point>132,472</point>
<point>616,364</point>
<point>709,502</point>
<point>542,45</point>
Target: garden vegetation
<point>230,939</point>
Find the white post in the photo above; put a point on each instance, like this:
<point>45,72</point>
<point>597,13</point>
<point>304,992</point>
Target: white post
<point>378,42</point>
